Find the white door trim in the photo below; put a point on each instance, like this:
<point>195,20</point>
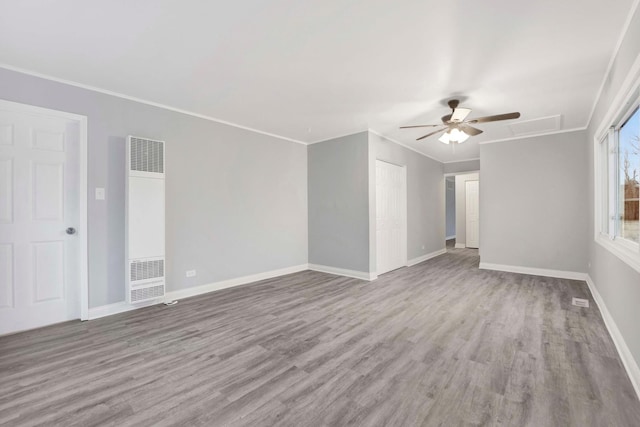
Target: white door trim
<point>83,262</point>
<point>473,243</point>
<point>461,173</point>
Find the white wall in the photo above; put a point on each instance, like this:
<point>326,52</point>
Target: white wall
<point>461,207</point>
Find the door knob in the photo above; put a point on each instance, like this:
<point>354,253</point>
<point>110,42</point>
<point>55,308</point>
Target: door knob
<point>71,230</point>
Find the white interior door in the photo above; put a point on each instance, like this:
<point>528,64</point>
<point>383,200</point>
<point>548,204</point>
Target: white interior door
<point>39,200</point>
<point>391,217</point>
<point>472,192</point>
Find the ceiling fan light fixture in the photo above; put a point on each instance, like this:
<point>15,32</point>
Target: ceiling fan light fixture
<point>444,138</point>
<point>458,136</point>
<point>453,135</point>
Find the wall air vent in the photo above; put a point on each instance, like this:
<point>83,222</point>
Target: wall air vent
<point>142,270</point>
<point>147,155</point>
<point>147,293</point>
<point>145,218</point>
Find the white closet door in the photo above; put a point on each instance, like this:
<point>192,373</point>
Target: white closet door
<point>472,191</point>
<point>391,217</point>
<point>39,200</point>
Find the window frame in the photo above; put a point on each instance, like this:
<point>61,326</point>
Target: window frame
<point>606,183</point>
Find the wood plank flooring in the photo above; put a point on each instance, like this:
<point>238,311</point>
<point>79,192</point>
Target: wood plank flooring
<point>439,343</point>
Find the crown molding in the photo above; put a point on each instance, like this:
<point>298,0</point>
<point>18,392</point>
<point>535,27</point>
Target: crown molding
<point>463,160</point>
<point>534,135</point>
<point>336,137</point>
<point>403,145</point>
<point>144,101</point>
<point>228,123</point>
<point>614,54</point>
<point>375,132</point>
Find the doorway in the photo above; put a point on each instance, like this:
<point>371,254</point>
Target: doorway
<point>460,232</point>
<point>43,230</point>
<point>450,211</point>
<point>391,216</point>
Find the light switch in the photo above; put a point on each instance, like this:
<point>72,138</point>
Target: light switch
<point>100,193</point>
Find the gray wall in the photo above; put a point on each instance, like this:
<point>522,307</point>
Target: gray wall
<point>533,202</point>
<point>425,195</point>
<point>236,200</point>
<point>450,207</point>
<point>342,201</point>
<point>461,206</point>
<point>462,166</point>
<point>338,189</point>
<point>617,283</point>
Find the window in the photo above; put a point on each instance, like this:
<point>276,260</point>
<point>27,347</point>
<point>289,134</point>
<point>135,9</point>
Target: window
<point>628,215</point>
<point>618,218</point>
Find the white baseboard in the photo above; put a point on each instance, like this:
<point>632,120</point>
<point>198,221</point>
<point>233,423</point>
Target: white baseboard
<point>560,274</point>
<point>460,245</point>
<point>628,361</point>
<point>344,272</point>
<point>423,258</point>
<point>230,283</point>
<point>123,306</point>
<point>450,237</point>
<point>118,307</point>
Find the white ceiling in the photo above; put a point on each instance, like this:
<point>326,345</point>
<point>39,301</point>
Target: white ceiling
<point>310,71</point>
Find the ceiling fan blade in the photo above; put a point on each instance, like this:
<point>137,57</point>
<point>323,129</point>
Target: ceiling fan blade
<point>459,114</point>
<point>469,130</point>
<point>419,126</point>
<point>498,117</point>
<point>429,134</point>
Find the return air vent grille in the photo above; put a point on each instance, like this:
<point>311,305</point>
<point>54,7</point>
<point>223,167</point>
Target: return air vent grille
<point>147,155</point>
<point>536,126</point>
<point>147,293</point>
<point>142,270</point>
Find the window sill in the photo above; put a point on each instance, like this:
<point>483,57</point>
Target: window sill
<point>628,256</point>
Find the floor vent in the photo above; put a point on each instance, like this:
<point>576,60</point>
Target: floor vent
<point>580,302</point>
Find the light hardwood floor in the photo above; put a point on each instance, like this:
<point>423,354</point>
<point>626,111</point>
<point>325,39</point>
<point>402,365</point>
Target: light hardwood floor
<point>439,343</point>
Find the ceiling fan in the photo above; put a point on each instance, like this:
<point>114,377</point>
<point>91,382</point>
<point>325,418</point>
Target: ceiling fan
<point>456,128</point>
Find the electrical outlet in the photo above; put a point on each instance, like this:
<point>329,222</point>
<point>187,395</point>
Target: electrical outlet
<point>191,273</point>
<point>580,302</point>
